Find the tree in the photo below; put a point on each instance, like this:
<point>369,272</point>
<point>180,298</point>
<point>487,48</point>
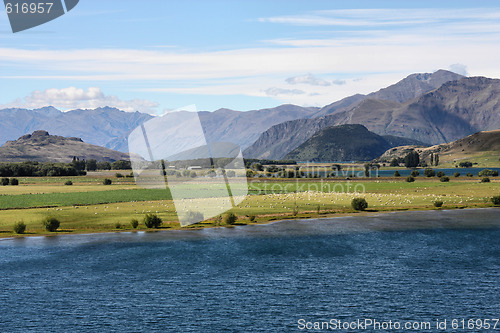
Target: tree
<point>230,218</point>
<point>438,204</point>
<point>412,159</point>
<point>485,180</point>
<point>394,162</point>
<point>91,165</point>
<point>465,164</point>
<point>19,227</point>
<point>415,173</point>
<point>257,167</point>
<point>152,221</point>
<point>121,165</point>
<point>107,181</point>
<point>68,182</point>
<point>444,179</point>
<point>436,160</point>
<point>103,166</point>
<point>51,223</point>
<point>359,204</point>
<point>410,179</point>
<point>77,164</point>
<point>432,160</point>
<point>14,181</point>
<point>134,223</point>
<point>496,200</point>
<point>440,174</point>
<point>456,174</point>
<point>397,174</point>
<point>5,181</point>
<point>429,172</point>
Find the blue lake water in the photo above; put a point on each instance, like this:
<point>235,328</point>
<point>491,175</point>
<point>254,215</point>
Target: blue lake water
<point>401,266</point>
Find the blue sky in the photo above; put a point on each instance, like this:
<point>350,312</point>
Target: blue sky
<point>160,55</point>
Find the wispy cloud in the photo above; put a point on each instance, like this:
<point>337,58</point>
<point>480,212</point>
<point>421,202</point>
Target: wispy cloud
<point>308,79</point>
<point>77,98</point>
<point>275,91</point>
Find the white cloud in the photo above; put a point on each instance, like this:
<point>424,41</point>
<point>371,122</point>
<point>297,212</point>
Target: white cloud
<point>459,69</point>
<point>77,98</point>
<point>308,79</point>
<point>275,91</point>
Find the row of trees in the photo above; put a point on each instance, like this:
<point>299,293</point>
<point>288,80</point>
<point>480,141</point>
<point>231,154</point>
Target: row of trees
<point>48,169</point>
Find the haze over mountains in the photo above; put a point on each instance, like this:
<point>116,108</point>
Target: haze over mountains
<point>432,108</point>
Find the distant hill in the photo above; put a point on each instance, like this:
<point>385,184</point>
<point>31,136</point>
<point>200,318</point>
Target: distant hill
<point>110,127</point>
<point>344,143</point>
<point>453,111</point>
<point>482,148</point>
<point>43,147</point>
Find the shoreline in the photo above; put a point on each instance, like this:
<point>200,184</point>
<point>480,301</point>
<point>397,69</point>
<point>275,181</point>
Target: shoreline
<point>271,221</point>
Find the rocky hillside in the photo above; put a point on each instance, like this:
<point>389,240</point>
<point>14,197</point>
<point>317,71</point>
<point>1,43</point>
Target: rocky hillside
<point>453,111</point>
<point>43,147</point>
<point>482,148</point>
<point>344,143</point>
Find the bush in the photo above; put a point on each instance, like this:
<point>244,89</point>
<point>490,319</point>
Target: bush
<point>51,224</point>
<point>5,181</point>
<point>194,217</point>
<point>397,174</point>
<point>440,174</point>
<point>438,204</point>
<point>118,225</point>
<point>230,218</point>
<point>68,182</point>
<point>107,181</point>
<point>469,174</point>
<point>488,172</point>
<point>14,182</point>
<point>19,227</point>
<point>496,200</point>
<point>429,172</point>
<point>465,164</point>
<point>118,175</point>
<point>444,179</point>
<point>415,173</point>
<point>251,218</point>
<point>152,221</point>
<point>359,204</point>
<point>485,180</point>
<point>456,174</point>
<point>134,223</point>
<point>410,179</point>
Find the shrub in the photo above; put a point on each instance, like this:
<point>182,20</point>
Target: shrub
<point>118,225</point>
<point>465,164</point>
<point>51,223</point>
<point>469,174</point>
<point>438,204</point>
<point>440,174</point>
<point>68,182</point>
<point>14,181</point>
<point>456,174</point>
<point>194,217</point>
<point>134,223</point>
<point>485,180</point>
<point>415,173</point>
<point>252,217</point>
<point>397,174</point>
<point>5,181</point>
<point>444,179</point>
<point>107,181</point>
<point>230,218</point>
<point>496,200</point>
<point>152,221</point>
<point>250,174</point>
<point>359,204</point>
<point>429,172</point>
<point>410,179</point>
<point>487,172</point>
<point>118,175</point>
<point>19,227</point>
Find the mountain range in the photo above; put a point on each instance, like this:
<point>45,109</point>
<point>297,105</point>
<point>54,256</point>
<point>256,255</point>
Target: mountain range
<point>432,108</point>
<point>454,110</point>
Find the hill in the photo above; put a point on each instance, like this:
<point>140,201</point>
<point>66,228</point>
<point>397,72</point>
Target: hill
<point>43,147</point>
<point>453,111</point>
<point>343,143</point>
<point>482,148</point>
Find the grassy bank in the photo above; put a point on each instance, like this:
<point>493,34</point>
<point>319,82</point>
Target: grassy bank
<point>89,206</point>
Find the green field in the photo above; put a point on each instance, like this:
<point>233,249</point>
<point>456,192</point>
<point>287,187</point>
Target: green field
<point>90,206</point>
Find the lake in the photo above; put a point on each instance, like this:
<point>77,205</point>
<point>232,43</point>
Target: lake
<point>407,266</point>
